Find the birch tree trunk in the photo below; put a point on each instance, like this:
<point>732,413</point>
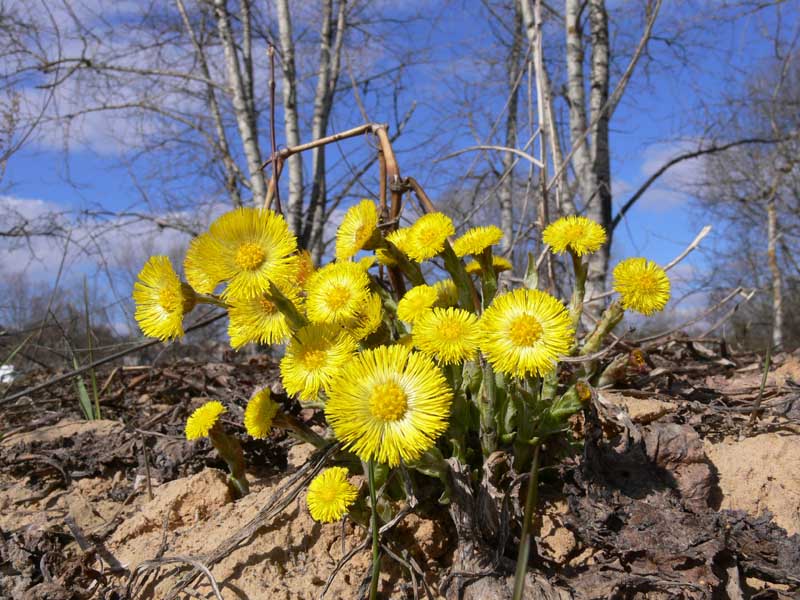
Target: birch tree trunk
<point>505,195</point>
<point>294,207</point>
<point>598,208</point>
<point>772,254</point>
<point>533,27</point>
<point>232,172</point>
<point>576,96</point>
<point>246,119</point>
<point>331,41</point>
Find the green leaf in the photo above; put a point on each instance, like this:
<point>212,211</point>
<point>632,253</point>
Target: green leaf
<point>455,267</point>
<point>286,307</point>
<point>531,279</point>
<point>433,464</point>
<point>83,398</point>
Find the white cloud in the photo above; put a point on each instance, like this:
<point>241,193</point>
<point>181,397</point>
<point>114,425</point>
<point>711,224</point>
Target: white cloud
<point>672,189</point>
<point>120,245</point>
<point>681,175</point>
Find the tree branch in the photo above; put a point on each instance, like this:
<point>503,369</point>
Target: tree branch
<point>678,159</point>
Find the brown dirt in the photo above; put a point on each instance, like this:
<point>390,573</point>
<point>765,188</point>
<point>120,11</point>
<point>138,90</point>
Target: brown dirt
<point>760,473</point>
<point>650,500</point>
<point>289,560</point>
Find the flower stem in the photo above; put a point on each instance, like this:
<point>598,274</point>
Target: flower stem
<point>527,518</point>
<point>299,430</point>
<point>230,450</point>
<point>213,300</point>
<point>488,411</point>
<point>376,557</point>
<point>578,294</point>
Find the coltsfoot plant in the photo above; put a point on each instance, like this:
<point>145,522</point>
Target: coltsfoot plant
<point>409,344</point>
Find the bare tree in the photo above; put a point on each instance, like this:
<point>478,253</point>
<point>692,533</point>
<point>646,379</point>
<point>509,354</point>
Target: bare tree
<point>753,190</point>
<point>180,89</point>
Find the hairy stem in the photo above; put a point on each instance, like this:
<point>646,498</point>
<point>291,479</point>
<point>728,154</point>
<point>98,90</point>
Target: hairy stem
<point>525,542</point>
<point>376,548</point>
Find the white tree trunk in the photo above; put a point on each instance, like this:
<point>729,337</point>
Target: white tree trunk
<point>505,195</point>
<point>576,95</point>
<point>772,254</point>
<point>533,28</point>
<point>328,76</point>
<point>599,207</point>
<point>294,208</point>
<point>245,119</point>
<point>232,173</point>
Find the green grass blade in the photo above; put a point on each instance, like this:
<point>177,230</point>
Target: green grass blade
<point>83,398</point>
<point>92,374</point>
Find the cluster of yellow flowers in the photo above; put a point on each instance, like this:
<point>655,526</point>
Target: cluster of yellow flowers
<point>380,366</point>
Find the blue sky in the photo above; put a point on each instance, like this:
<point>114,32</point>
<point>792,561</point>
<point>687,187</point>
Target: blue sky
<point>660,116</point>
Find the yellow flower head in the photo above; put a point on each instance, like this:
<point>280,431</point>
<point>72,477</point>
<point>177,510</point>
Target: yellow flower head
<point>577,234</point>
<point>305,268</point>
<point>642,285</point>
<point>357,229</point>
<point>400,238</point>
<point>447,291</point>
<point>252,248</point>
<point>202,420</point>
<point>313,357</point>
<point>499,264</point>
<point>368,319</point>
<point>161,299</point>
<point>525,331</point>
<point>426,237</point>
<point>258,415</point>
<point>416,302</point>
<point>336,293</point>
<point>388,404</point>
<point>330,495</point>
<point>385,258</point>
<point>259,320</point>
<point>477,239</point>
<point>201,264</point>
<point>367,262</point>
<point>451,335</point>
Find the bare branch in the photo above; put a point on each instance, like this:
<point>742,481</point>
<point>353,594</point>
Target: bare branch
<point>680,158</point>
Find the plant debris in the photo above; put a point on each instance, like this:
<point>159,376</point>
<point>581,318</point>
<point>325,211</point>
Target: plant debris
<point>646,509</point>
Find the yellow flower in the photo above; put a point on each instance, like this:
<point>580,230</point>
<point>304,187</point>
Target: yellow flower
<point>642,285</point>
<point>447,291</point>
<point>336,293</point>
<point>313,357</point>
<point>161,299</point>
<point>499,264</point>
<point>368,319</point>
<point>259,320</point>
<point>357,229</point>
<point>400,238</point>
<point>451,335</point>
<point>477,239</point>
<point>525,331</point>
<point>577,234</point>
<point>427,236</point>
<point>416,302</point>
<point>202,420</point>
<point>367,262</point>
<point>330,494</point>
<point>201,264</point>
<point>388,404</point>
<point>305,268</point>
<point>251,248</point>
<point>258,415</point>
<point>385,257</point>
